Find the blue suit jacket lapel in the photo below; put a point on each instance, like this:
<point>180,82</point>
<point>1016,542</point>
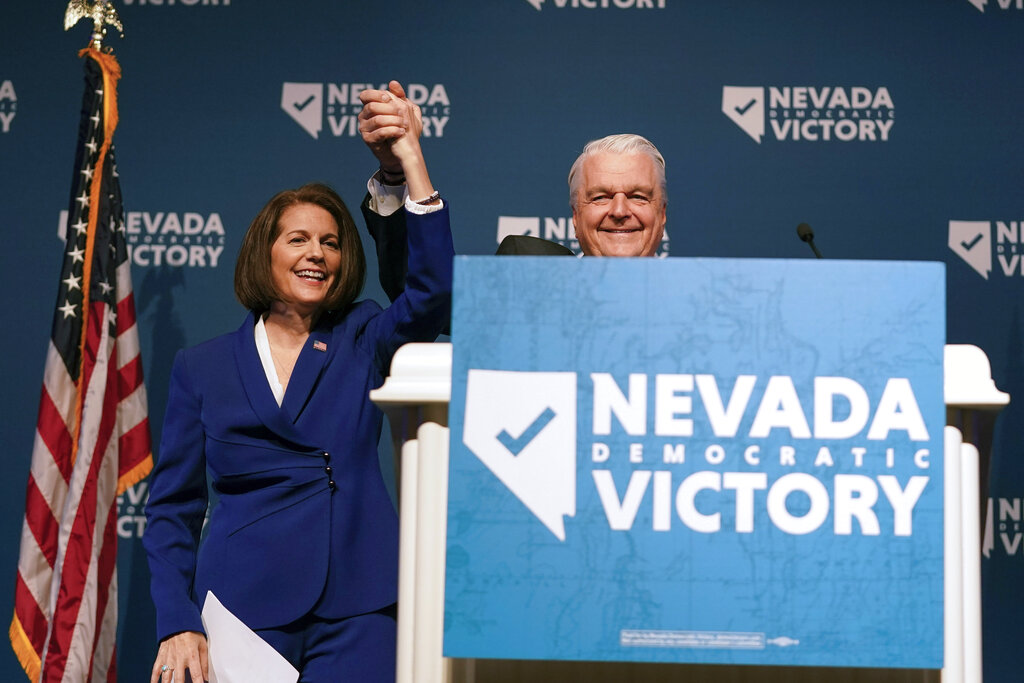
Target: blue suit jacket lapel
<point>308,368</point>
<point>257,389</point>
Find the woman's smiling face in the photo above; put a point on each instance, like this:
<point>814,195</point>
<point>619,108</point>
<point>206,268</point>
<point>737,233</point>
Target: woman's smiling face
<point>305,257</point>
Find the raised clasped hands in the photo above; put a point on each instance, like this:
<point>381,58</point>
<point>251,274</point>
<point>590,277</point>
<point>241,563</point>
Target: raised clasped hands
<point>390,124</point>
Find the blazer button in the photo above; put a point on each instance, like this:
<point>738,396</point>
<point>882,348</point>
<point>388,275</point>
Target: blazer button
<point>331,485</point>
<point>326,455</point>
<point>328,470</point>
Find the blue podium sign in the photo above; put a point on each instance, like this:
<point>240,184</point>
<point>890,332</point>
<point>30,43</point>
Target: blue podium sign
<point>696,460</point>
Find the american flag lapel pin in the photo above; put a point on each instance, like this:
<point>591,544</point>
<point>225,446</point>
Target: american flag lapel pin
<point>319,346</point>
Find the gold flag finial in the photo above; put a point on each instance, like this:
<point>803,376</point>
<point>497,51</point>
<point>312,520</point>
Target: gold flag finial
<point>101,12</point>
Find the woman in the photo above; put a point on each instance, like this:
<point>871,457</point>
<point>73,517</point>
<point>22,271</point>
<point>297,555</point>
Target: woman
<point>302,546</point>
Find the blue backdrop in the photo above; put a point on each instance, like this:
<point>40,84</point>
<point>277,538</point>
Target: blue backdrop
<point>220,99</point>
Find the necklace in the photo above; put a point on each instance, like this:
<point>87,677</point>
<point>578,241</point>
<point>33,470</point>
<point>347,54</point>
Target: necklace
<point>285,347</point>
<point>284,358</point>
<point>283,365</point>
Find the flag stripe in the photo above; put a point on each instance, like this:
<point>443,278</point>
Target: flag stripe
<point>107,599</point>
<point>131,412</point>
<point>129,377</point>
<point>41,522</point>
<point>127,345</point>
<point>123,286</point>
<point>27,628</point>
<point>85,636</point>
<point>60,386</point>
<point>47,476</point>
<point>34,622</point>
<point>73,570</point>
<point>75,567</point>
<point>33,569</point>
<point>134,440</point>
<point>126,314</point>
<point>54,433</point>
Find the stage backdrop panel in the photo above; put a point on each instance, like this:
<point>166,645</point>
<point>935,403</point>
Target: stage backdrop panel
<point>224,102</point>
<point>697,460</point>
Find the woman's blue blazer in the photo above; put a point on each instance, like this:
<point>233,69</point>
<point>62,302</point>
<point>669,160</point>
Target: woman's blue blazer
<point>304,522</point>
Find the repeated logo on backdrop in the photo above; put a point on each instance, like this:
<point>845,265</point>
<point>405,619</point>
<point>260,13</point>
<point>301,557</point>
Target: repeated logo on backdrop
<point>170,238</point>
<point>1003,530</point>
<point>131,511</point>
<point>1001,4</point>
<point>189,3</point>
<point>973,242</point>
<point>560,230</point>
<point>312,104</point>
<point>8,105</point>
<point>131,518</point>
<point>811,113</point>
<point>598,4</point>
<point>554,229</point>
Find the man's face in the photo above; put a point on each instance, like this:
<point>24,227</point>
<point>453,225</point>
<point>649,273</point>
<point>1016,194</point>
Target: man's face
<point>619,208</point>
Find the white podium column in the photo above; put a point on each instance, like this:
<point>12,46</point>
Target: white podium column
<point>968,385</point>
<point>415,398</point>
<point>953,562</point>
<point>970,537</point>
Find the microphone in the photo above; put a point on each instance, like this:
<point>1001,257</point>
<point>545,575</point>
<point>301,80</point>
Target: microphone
<point>807,235</point>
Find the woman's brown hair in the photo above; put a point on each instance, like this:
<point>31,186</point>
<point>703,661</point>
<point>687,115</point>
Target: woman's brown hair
<point>254,284</point>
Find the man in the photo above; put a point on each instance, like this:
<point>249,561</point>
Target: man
<point>618,200</point>
<point>617,195</point>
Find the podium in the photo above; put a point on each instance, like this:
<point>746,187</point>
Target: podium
<point>972,401</point>
<point>415,397</point>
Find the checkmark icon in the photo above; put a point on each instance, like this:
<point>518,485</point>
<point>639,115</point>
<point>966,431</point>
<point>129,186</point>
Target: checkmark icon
<point>970,245</point>
<point>299,106</point>
<point>516,444</point>
<point>745,108</point>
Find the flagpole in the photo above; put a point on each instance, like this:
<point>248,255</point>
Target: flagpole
<point>92,433</point>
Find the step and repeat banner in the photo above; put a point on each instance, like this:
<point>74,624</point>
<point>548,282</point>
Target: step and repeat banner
<point>890,128</point>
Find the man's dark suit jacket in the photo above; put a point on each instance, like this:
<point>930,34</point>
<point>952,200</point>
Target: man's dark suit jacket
<point>388,233</point>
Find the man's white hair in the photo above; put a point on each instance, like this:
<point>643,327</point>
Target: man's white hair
<point>620,143</point>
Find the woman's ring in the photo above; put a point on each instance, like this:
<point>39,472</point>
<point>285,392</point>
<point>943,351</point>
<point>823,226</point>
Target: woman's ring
<point>165,669</point>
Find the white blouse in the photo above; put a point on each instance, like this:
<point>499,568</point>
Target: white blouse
<point>263,347</point>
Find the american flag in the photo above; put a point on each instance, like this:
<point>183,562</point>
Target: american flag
<point>92,436</point>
